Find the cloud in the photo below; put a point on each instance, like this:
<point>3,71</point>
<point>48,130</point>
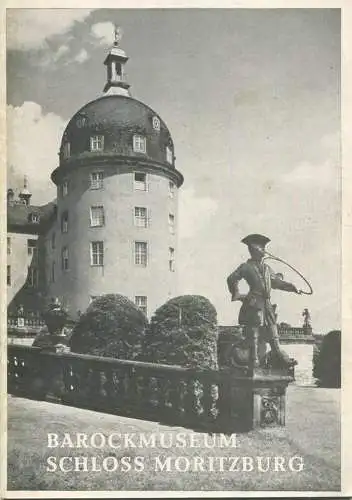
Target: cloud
<point>33,144</point>
<point>53,57</point>
<point>194,212</point>
<point>81,57</point>
<point>63,56</point>
<point>308,175</point>
<point>103,32</point>
<point>323,173</point>
<point>61,51</point>
<point>30,28</point>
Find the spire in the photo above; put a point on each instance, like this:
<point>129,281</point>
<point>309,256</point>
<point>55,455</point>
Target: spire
<point>115,66</point>
<point>25,195</point>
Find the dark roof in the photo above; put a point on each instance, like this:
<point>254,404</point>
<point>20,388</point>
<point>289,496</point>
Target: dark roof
<point>117,118</point>
<point>20,217</point>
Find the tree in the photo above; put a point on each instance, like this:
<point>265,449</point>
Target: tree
<point>183,332</point>
<point>111,326</point>
<point>327,360</point>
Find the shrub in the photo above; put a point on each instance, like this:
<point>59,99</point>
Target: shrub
<point>327,361</point>
<point>111,326</point>
<point>183,332</point>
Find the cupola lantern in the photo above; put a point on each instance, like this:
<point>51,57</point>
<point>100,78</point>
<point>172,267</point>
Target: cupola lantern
<point>115,66</point>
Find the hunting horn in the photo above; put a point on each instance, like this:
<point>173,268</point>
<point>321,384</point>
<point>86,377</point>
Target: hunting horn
<point>273,257</point>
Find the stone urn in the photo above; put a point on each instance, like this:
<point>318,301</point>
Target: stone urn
<point>55,318</point>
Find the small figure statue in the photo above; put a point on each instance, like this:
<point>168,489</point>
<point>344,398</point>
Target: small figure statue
<point>20,311</point>
<point>257,313</point>
<point>117,34</point>
<point>307,319</point>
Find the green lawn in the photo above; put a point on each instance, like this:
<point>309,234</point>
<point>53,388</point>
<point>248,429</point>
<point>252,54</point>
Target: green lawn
<point>312,431</point>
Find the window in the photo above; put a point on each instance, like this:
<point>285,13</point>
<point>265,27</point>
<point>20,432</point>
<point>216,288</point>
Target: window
<point>97,143</point>
<point>96,180</point>
<point>97,218</point>
<point>171,259</point>
<point>32,250</point>
<point>64,222</point>
<point>32,277</point>
<point>156,123</point>
<point>141,302</point>
<point>169,155</point>
<point>140,217</point>
<point>52,272</point>
<point>9,275</point>
<point>139,144</point>
<point>140,181</point>
<point>97,253</point>
<point>8,245</point>
<point>140,253</point>
<point>53,241</point>
<point>67,150</point>
<point>171,189</point>
<point>65,265</point>
<point>65,188</point>
<point>172,223</point>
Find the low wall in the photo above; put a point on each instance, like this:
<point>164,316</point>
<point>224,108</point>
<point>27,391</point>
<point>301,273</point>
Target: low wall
<point>230,400</point>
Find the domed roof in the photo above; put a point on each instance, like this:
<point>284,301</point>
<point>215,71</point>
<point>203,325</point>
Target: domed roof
<point>115,120</point>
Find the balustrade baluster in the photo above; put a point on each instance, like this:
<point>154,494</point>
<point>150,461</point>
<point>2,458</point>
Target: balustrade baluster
<point>175,398</point>
<point>162,388</point>
<point>109,387</point>
<point>192,400</point>
<point>153,392</point>
<point>208,402</point>
<point>120,387</point>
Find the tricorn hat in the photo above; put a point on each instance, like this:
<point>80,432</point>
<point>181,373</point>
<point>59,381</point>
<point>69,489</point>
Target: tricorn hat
<point>255,239</point>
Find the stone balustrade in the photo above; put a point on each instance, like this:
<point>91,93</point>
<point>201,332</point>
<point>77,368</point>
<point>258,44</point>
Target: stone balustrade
<point>25,322</point>
<point>228,400</point>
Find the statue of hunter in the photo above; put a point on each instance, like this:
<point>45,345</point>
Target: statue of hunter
<point>257,313</point>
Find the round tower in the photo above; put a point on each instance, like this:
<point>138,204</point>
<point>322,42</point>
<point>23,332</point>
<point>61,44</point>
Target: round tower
<point>117,199</point>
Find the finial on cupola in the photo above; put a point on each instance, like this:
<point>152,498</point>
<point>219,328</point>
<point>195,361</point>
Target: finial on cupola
<point>115,65</point>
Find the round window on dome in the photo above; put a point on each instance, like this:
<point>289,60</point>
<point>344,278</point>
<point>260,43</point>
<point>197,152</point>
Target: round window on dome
<point>156,123</point>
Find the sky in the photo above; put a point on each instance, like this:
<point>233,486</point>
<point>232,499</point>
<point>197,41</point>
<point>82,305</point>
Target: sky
<point>252,100</point>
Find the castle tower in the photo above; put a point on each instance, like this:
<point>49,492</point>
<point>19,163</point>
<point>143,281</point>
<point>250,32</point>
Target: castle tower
<point>117,199</point>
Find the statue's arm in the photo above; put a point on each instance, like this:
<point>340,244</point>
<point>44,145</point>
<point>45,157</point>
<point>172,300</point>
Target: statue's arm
<point>232,283</point>
<point>278,283</point>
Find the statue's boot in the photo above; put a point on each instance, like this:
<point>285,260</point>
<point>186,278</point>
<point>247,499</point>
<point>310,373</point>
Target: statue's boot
<point>282,357</point>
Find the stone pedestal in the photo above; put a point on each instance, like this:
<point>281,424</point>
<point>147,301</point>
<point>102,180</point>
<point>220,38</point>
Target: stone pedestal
<point>256,397</point>
<point>269,397</point>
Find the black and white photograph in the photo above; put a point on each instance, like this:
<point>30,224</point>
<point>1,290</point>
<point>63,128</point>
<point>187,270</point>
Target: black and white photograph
<point>174,251</point>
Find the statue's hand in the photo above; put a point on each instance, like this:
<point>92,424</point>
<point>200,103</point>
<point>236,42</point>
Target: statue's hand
<point>238,296</point>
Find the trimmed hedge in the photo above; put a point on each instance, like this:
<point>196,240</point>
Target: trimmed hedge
<point>183,332</point>
<point>327,361</point>
<point>112,326</point>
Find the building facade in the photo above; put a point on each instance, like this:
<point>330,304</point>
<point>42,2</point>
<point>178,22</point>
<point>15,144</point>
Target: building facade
<point>113,228</point>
